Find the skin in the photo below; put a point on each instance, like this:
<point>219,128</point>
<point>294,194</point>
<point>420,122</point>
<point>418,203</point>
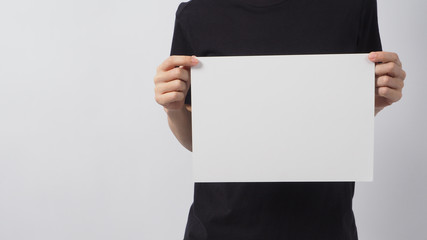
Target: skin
<point>389,79</point>
<point>171,87</point>
<point>172,84</point>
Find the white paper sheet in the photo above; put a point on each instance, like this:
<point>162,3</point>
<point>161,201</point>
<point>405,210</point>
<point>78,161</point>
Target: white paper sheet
<point>283,118</point>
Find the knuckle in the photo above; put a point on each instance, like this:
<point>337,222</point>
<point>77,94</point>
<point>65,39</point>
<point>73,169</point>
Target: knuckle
<point>379,69</point>
<point>172,84</point>
<point>399,96</point>
<point>387,91</point>
<point>181,96</point>
<point>402,84</point>
<point>386,80</point>
<point>169,75</point>
<point>391,68</point>
<point>175,72</point>
<point>178,96</point>
<point>183,86</point>
<point>384,91</point>
<point>170,60</point>
<point>179,72</point>
<point>177,85</point>
<point>396,56</point>
<point>174,95</point>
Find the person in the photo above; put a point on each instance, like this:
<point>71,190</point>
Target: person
<point>275,210</point>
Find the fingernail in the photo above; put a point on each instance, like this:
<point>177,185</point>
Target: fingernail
<point>372,56</point>
<point>194,60</point>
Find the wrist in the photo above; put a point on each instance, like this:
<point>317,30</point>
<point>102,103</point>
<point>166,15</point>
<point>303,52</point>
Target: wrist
<point>174,112</point>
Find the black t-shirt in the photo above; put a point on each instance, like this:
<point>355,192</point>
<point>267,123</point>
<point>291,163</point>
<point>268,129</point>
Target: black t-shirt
<point>282,210</point>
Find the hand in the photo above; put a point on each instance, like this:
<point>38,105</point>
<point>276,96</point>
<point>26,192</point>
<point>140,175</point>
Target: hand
<point>172,81</point>
<point>389,77</point>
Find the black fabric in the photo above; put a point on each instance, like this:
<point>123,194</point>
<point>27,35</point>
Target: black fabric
<point>286,210</point>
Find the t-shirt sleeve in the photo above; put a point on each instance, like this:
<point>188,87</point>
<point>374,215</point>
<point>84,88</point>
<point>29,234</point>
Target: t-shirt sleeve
<point>369,37</point>
<point>181,42</point>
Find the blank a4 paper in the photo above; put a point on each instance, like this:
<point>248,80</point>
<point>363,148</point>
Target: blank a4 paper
<point>283,118</point>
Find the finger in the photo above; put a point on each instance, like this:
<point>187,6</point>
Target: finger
<point>392,95</point>
<point>404,74</point>
<point>172,86</point>
<point>188,72</point>
<point>390,68</point>
<point>170,97</point>
<point>381,102</point>
<point>384,57</point>
<point>387,81</point>
<point>174,61</point>
<point>173,74</point>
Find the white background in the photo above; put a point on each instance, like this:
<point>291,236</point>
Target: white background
<point>86,153</point>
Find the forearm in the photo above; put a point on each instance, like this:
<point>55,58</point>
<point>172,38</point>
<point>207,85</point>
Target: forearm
<point>180,124</point>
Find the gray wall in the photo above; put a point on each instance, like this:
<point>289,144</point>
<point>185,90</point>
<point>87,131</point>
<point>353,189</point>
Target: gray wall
<point>394,205</point>
<point>85,152</point>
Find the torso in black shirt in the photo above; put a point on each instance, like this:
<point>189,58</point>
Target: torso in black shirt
<point>286,210</point>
